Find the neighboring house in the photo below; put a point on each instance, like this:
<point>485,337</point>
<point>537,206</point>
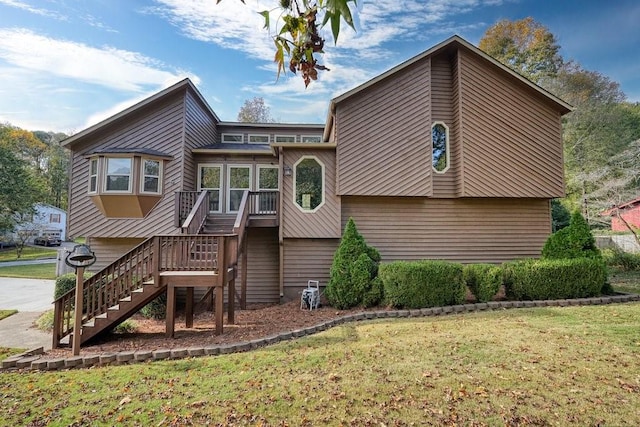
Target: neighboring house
<point>47,221</point>
<point>450,155</point>
<point>628,212</point>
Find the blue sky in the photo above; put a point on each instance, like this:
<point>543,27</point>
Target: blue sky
<point>67,64</point>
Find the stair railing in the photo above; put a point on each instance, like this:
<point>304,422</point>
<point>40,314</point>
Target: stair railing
<point>198,215</point>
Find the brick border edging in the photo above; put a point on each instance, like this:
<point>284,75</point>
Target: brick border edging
<point>30,360</point>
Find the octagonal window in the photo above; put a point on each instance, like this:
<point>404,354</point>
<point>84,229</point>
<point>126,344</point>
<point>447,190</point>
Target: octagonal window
<point>440,147</point>
<point>308,181</point>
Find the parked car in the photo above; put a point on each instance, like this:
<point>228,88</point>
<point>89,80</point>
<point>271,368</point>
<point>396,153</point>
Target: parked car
<point>5,243</point>
<point>47,241</point>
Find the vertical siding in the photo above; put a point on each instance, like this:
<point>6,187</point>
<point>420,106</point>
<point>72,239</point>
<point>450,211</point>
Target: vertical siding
<point>444,184</point>
<point>325,222</point>
<point>383,137</point>
<point>262,266</point>
<point>306,259</point>
<point>464,230</point>
<point>511,137</point>
<point>160,128</point>
<point>199,130</point>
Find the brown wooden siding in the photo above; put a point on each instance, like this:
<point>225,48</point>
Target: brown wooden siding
<point>325,222</point>
<point>464,230</point>
<point>200,130</point>
<point>160,129</point>
<point>306,259</point>
<point>383,137</point>
<point>511,137</point>
<point>109,250</point>
<point>457,152</point>
<point>444,184</point>
<point>262,266</point>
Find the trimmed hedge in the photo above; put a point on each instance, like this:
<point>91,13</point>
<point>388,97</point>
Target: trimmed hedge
<point>483,280</point>
<point>421,284</point>
<point>554,279</point>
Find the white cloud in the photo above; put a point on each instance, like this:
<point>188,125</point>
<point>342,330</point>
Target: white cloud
<point>31,9</point>
<point>114,68</point>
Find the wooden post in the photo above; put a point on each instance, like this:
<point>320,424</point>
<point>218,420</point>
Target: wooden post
<point>188,311</point>
<point>77,325</point>
<point>57,323</point>
<point>243,283</point>
<point>219,306</point>
<point>171,310</point>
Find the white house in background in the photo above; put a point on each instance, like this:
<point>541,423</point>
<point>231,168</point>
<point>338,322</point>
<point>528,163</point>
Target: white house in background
<point>47,221</point>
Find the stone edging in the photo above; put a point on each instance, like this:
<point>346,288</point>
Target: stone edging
<point>31,360</point>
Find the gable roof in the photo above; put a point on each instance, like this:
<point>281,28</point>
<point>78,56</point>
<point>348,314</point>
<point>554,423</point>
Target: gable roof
<point>455,40</point>
<point>621,206</point>
<point>184,84</point>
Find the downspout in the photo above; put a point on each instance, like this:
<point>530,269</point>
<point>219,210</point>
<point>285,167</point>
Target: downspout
<point>280,215</point>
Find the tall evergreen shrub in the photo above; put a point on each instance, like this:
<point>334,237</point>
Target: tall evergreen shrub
<point>574,241</point>
<point>353,277</point>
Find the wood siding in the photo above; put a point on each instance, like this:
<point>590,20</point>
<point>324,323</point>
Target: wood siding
<point>384,137</point>
<point>463,230</point>
<point>306,259</point>
<point>199,130</point>
<point>109,250</point>
<point>159,128</point>
<point>442,110</point>
<point>325,222</point>
<point>511,136</point>
<point>262,266</point>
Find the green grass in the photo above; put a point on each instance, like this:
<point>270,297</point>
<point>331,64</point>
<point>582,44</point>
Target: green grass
<point>37,271</point>
<point>7,313</point>
<point>28,253</point>
<point>625,281</point>
<point>544,366</point>
<point>7,352</point>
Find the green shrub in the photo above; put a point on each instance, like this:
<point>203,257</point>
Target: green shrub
<point>574,241</point>
<point>65,283</point>
<point>126,327</point>
<point>156,309</point>
<point>483,280</point>
<point>554,279</point>
<point>420,284</point>
<point>353,272</point>
<point>619,258</point>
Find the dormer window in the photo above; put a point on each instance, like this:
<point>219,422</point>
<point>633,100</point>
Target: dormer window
<point>126,183</point>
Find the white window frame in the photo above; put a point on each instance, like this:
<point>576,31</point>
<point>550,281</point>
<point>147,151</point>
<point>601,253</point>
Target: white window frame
<point>318,137</point>
<point>143,175</point>
<point>93,161</point>
<point>258,168</point>
<point>447,147</point>
<point>107,175</point>
<point>228,188</point>
<point>220,192</point>
<point>324,186</point>
<point>234,135</point>
<point>259,136</point>
<point>278,139</point>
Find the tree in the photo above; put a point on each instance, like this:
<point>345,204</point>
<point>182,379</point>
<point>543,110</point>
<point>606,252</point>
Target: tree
<point>255,111</point>
<point>298,33</point>
<point>525,46</point>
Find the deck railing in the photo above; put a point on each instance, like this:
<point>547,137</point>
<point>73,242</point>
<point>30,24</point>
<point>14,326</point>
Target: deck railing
<point>185,200</point>
<point>263,202</point>
<point>194,222</point>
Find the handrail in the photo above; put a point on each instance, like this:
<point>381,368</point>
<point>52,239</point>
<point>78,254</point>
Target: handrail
<point>263,202</point>
<point>184,202</point>
<point>198,215</point>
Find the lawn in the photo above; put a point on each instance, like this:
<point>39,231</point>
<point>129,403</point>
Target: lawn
<point>543,366</point>
<point>7,313</point>
<point>33,271</point>
<point>28,253</point>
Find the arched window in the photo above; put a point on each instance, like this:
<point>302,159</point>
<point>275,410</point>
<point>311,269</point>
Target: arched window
<point>308,181</point>
<point>440,147</point>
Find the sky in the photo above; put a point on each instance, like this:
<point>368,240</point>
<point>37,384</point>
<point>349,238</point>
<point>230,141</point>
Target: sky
<point>68,64</point>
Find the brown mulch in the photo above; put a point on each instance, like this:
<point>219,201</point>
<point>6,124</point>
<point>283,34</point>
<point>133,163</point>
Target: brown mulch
<point>258,321</point>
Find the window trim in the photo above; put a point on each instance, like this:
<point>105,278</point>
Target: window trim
<point>295,179</point>
<point>220,166</point>
<point>284,136</point>
<point>143,175</point>
<point>262,135</point>
<point>224,135</point>
<point>129,190</point>
<point>96,175</point>
<point>228,188</point>
<point>266,166</point>
<point>302,139</point>
<point>447,147</point>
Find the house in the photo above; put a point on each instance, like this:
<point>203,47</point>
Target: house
<point>625,215</point>
<point>449,155</point>
<point>47,221</point>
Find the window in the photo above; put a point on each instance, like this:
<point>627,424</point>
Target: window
<point>239,180</point>
<point>232,137</point>
<point>258,139</point>
<point>285,138</point>
<point>150,176</point>
<point>308,181</point>
<point>118,175</point>
<point>268,183</point>
<point>93,176</point>
<point>210,178</point>
<point>440,147</point>
<point>311,138</point>
<point>54,218</point>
